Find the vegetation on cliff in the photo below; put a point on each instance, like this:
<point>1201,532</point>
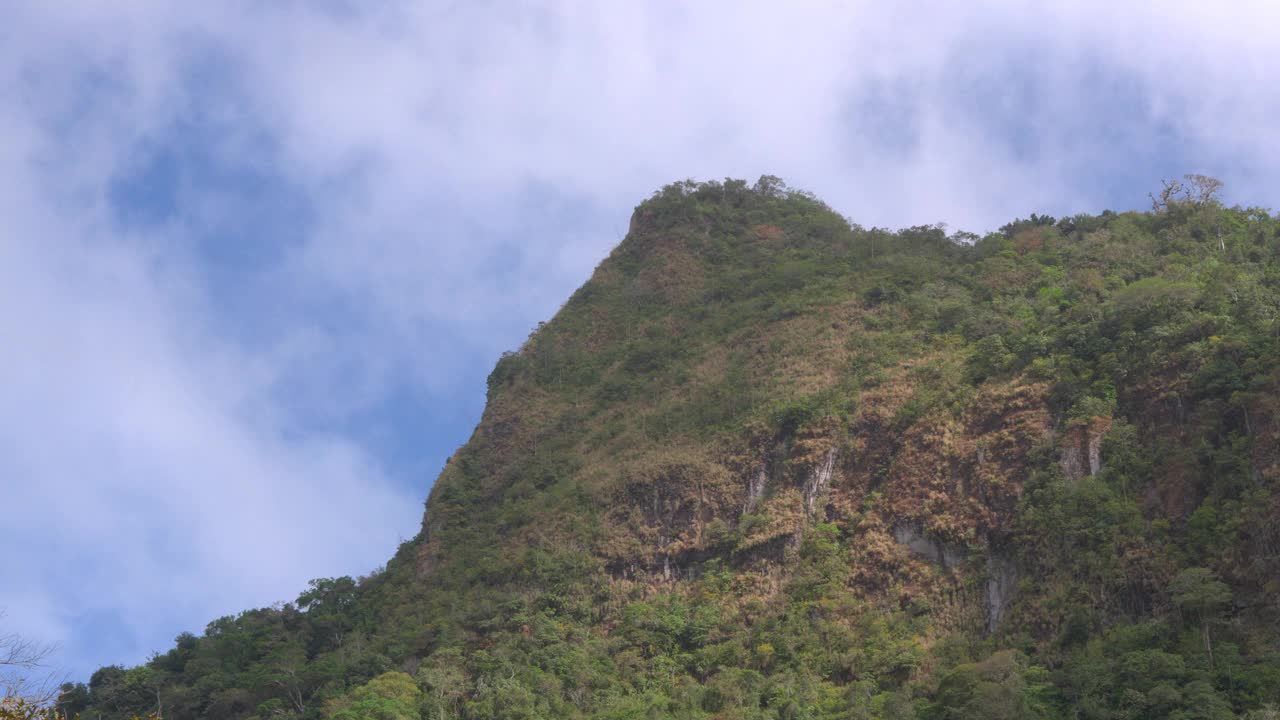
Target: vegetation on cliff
<point>766,463</point>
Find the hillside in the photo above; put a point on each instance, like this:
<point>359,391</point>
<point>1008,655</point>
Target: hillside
<point>769,464</point>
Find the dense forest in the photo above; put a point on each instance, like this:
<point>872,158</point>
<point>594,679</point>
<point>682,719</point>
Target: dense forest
<point>767,463</point>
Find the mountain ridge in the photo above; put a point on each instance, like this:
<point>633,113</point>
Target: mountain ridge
<point>768,463</point>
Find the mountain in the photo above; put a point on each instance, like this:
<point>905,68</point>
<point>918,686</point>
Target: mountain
<point>767,463</point>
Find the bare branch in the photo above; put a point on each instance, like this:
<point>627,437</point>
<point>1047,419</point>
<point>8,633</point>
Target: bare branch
<point>1169,191</point>
<point>1202,188</point>
<point>18,657</point>
<point>17,651</point>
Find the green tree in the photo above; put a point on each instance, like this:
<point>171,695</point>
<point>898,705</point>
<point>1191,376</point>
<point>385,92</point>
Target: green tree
<point>146,682</point>
<point>1198,591</point>
<point>997,688</point>
<point>390,696</point>
<point>444,684</point>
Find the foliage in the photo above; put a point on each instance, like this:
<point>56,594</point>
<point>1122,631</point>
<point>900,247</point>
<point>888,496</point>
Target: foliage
<point>390,696</point>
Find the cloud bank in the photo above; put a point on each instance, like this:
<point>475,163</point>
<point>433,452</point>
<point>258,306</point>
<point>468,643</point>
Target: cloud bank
<point>256,259</point>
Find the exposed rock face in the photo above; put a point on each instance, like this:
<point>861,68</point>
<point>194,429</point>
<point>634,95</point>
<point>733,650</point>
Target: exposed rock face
<point>1002,578</point>
<point>818,481</point>
<point>1081,453</point>
<point>657,523</point>
<point>959,478</point>
<point>755,488</point>
<point>944,554</point>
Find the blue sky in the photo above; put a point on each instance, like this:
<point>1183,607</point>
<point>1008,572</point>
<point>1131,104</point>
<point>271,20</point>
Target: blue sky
<point>257,259</point>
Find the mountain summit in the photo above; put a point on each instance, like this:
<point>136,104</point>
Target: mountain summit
<point>767,463</point>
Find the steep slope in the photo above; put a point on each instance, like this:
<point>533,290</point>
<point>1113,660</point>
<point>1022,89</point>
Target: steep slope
<point>768,464</point>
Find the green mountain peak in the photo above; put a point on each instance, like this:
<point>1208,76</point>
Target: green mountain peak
<point>766,463</point>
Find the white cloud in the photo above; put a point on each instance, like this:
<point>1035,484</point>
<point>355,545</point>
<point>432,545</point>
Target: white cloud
<point>465,165</point>
<point>142,475</point>
<point>149,479</point>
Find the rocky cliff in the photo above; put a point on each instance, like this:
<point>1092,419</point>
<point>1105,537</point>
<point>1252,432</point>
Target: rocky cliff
<point>769,463</point>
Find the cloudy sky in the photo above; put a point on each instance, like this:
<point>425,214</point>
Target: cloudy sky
<point>256,259</point>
